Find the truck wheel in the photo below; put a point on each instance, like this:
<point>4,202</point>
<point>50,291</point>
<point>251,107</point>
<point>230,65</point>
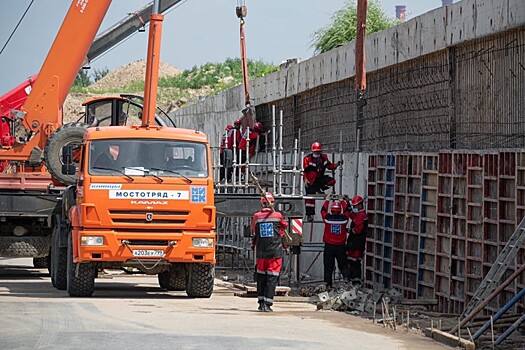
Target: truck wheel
<point>58,263</point>
<point>68,134</point>
<point>80,277</point>
<point>173,279</point>
<point>25,247</point>
<point>40,263</point>
<point>200,280</point>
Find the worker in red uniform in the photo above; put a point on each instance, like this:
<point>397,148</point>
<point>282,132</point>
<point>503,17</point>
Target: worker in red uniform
<point>315,179</point>
<point>258,129</point>
<point>356,242</point>
<point>268,229</point>
<point>225,153</point>
<point>334,238</point>
<point>229,144</point>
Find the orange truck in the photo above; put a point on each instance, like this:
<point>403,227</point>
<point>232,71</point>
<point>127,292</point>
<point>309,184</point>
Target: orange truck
<point>100,194</point>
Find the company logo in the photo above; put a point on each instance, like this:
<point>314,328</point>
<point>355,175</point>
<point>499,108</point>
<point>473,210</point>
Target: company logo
<point>198,194</point>
<point>149,202</point>
<point>148,194</point>
<point>149,217</point>
<point>105,186</point>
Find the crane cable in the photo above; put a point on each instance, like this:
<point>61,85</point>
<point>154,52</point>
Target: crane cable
<point>18,24</point>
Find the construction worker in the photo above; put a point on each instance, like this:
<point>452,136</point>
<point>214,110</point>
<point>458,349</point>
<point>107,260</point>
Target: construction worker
<point>334,238</point>
<point>268,229</point>
<point>258,129</point>
<point>225,153</point>
<point>356,242</point>
<point>315,179</point>
<point>229,144</point>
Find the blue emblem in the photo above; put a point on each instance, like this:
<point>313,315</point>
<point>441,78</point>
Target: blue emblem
<point>198,194</point>
<point>335,229</point>
<point>266,229</point>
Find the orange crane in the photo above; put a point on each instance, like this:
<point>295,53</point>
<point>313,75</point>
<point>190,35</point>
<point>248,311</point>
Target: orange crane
<point>248,113</point>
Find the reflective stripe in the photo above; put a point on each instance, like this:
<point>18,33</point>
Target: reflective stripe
<point>309,205</point>
<point>268,300</point>
<point>267,220</point>
<point>343,222</point>
<point>354,259</point>
<point>273,273</point>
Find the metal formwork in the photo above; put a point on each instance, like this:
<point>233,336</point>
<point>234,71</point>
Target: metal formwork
<point>438,222</point>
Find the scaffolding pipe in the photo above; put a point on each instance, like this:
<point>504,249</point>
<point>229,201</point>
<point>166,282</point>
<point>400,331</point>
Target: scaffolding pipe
<point>510,330</point>
<point>247,154</point>
<point>341,159</point>
<point>487,300</point>
<point>301,179</point>
<point>294,174</point>
<point>274,149</point>
<point>280,151</point>
<point>234,150</point>
<point>499,313</point>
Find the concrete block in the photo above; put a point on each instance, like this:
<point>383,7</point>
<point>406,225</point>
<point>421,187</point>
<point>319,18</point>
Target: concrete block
<point>449,339</point>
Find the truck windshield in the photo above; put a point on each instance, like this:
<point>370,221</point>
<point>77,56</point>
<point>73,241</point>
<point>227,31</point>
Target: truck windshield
<point>148,157</point>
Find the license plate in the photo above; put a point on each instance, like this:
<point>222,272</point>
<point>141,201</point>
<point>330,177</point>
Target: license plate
<point>148,253</point>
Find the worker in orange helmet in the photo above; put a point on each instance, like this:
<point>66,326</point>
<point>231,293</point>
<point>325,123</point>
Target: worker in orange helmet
<point>315,179</point>
<point>268,230</point>
<point>334,238</point>
<point>356,242</point>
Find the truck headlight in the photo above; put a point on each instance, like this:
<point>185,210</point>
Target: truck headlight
<point>203,242</point>
<point>92,240</point>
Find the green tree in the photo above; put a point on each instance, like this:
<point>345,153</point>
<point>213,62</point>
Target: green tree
<point>100,73</point>
<point>343,28</point>
<point>82,79</point>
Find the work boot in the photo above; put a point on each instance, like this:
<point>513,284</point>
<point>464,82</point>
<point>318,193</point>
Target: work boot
<point>309,218</point>
<point>261,306</point>
<point>267,308</point>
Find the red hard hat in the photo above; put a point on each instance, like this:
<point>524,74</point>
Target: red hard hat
<point>229,127</point>
<point>237,122</point>
<point>357,200</point>
<point>269,195</point>
<point>336,207</point>
<point>258,126</point>
<point>316,147</point>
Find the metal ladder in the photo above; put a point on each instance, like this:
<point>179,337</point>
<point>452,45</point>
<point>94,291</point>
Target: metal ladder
<point>499,267</point>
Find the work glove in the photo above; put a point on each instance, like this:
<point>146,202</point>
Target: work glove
<point>339,163</point>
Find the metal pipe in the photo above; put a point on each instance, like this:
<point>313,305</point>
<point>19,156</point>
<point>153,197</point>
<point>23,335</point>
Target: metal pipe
<point>247,154</point>
<point>499,313</point>
<point>234,162</point>
<point>485,302</point>
<point>510,330</point>
<point>294,176</point>
<point>274,149</point>
<point>341,159</point>
<point>301,177</point>
<point>280,151</point>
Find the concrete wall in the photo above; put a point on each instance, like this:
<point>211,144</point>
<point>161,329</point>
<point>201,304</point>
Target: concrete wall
<point>431,32</point>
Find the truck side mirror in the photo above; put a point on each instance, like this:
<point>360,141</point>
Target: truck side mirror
<point>68,167</point>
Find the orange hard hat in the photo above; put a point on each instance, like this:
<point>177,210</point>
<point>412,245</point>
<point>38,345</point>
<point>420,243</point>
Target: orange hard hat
<point>258,126</point>
<point>357,200</point>
<point>336,207</point>
<point>268,196</point>
<point>316,147</point>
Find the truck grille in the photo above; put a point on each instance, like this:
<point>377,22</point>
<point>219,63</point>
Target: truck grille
<point>148,243</point>
<point>167,217</point>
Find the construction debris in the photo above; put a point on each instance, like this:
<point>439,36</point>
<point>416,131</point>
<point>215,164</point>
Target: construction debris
<point>357,299</point>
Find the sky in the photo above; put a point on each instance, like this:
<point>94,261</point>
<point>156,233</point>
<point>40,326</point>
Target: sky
<point>194,32</point>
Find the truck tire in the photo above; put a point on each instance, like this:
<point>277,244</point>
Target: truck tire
<point>173,279</point>
<point>40,262</point>
<point>25,247</point>
<point>71,133</point>
<point>80,276</point>
<point>200,280</point>
<point>58,269</point>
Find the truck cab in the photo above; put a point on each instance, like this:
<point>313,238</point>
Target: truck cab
<point>143,199</point>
